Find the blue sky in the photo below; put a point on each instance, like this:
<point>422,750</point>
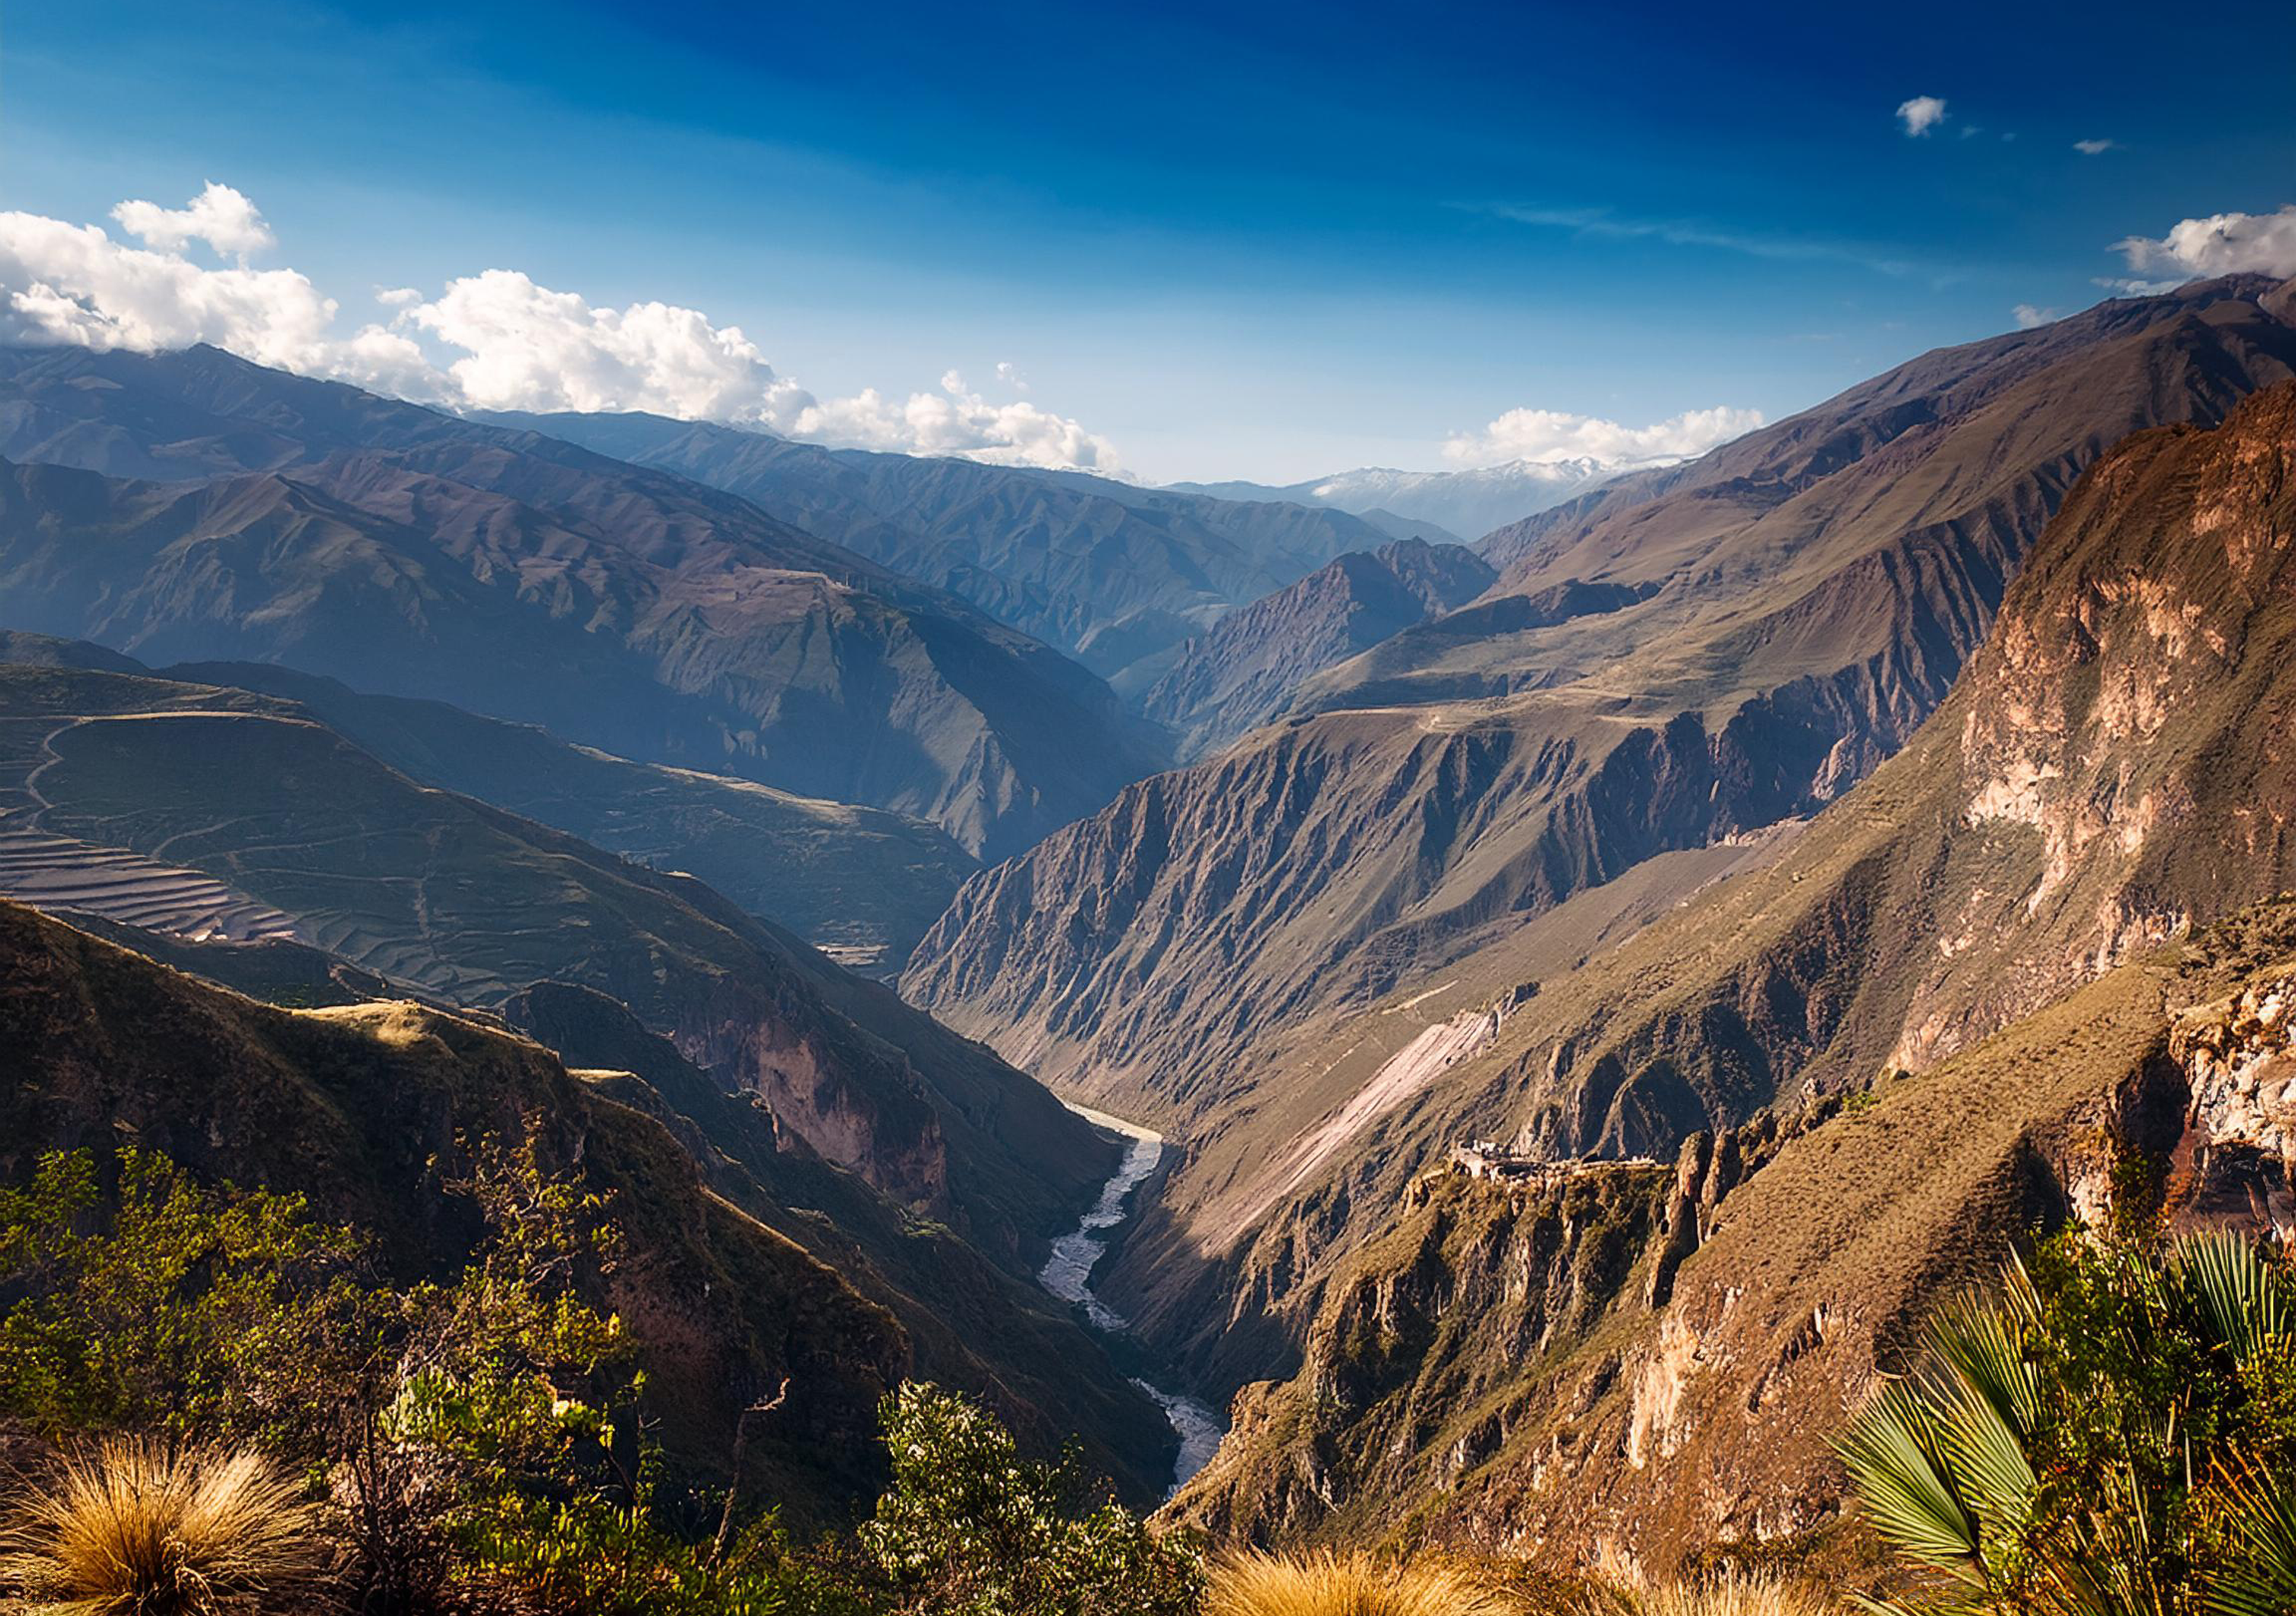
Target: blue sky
<point>1239,241</point>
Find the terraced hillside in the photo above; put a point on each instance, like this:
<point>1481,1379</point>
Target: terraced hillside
<point>70,877</point>
<point>861,884</point>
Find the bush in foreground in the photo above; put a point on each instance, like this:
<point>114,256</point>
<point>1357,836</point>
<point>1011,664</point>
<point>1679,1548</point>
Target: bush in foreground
<point>970,1528</point>
<point>2112,1433</point>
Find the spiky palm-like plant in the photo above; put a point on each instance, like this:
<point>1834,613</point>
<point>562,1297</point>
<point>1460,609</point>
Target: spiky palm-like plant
<point>2084,1443</point>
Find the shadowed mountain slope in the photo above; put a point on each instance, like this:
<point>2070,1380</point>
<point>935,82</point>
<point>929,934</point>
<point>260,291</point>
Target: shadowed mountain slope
<point>861,883</point>
<point>411,554</point>
<point>365,1108</point>
<point>1114,574</point>
<point>1243,672</point>
<point>1716,650</point>
<point>469,905</point>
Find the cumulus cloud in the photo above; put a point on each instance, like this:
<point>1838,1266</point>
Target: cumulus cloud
<point>222,218</point>
<point>2029,318</point>
<point>495,340</point>
<point>63,282</point>
<point>958,421</point>
<point>1921,114</point>
<point>2092,148</point>
<point>1552,435</point>
<point>2222,244</point>
<point>525,347</point>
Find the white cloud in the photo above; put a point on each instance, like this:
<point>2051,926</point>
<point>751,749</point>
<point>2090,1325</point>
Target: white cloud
<point>2092,148</point>
<point>2222,244</point>
<point>1921,114</point>
<point>493,341</point>
<point>63,282</point>
<point>525,347</point>
<point>958,421</point>
<point>222,218</point>
<point>1553,435</point>
<point>2029,318</point>
<point>1009,373</point>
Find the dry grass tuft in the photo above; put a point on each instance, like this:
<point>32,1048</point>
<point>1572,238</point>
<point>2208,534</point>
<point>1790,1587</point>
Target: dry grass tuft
<point>1350,1585</point>
<point>133,1529</point>
<point>1729,1595</point>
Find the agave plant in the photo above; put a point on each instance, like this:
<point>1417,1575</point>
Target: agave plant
<point>2093,1440</point>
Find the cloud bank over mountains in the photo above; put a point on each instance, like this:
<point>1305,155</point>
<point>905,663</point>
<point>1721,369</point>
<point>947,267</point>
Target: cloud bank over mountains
<point>497,339</point>
<point>2222,244</point>
<point>1548,436</point>
<point>492,340</point>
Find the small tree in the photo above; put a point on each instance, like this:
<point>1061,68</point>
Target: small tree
<point>969,1528</point>
<point>187,1310</point>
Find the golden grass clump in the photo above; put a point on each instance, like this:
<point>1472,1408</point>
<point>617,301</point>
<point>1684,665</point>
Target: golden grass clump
<point>135,1528</point>
<point>1344,1584</point>
<point>1728,1595</point>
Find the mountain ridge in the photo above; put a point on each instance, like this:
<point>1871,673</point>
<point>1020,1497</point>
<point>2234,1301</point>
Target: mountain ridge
<point>413,554</point>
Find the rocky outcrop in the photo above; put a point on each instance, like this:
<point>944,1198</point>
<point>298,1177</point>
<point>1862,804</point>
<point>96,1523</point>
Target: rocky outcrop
<point>1649,1363</point>
<point>1244,671</point>
<point>411,554</point>
<point>1450,1337</point>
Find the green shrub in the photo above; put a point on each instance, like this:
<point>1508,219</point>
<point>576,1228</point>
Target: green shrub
<point>186,1310</point>
<point>970,1528</point>
<point>2097,1439</point>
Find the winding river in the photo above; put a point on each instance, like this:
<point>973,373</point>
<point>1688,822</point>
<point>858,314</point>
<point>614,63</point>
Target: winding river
<point>1066,1273</point>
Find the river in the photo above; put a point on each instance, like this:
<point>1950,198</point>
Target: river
<point>1066,1273</point>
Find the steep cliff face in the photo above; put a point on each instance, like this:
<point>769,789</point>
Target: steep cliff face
<point>1659,1373</point>
<point>413,554</point>
<point>1114,574</point>
<point>2103,779</point>
<point>1243,672</point>
<point>1751,635</point>
<point>969,1322</point>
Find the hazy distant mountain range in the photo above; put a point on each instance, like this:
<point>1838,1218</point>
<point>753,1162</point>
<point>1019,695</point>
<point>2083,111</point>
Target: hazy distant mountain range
<point>192,507</point>
<point>1116,575</point>
<point>1436,505</point>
